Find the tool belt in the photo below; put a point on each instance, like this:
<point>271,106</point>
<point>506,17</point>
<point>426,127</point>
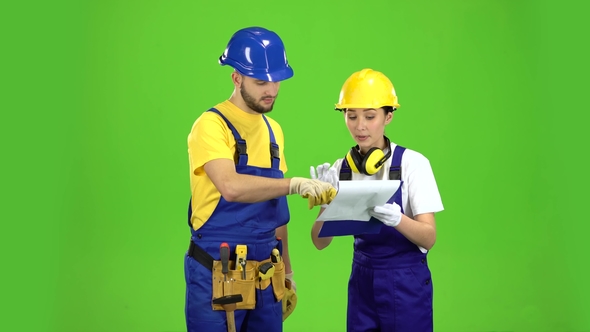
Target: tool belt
<point>235,282</point>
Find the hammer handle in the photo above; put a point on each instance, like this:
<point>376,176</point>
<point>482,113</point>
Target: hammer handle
<point>231,323</point>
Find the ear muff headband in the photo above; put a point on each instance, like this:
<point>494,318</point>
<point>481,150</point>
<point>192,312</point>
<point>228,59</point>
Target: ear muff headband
<point>352,159</point>
<point>371,162</point>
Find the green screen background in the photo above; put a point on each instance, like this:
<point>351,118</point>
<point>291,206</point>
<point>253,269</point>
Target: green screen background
<point>99,98</point>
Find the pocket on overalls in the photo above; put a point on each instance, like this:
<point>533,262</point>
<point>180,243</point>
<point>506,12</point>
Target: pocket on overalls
<point>234,283</point>
<point>423,280</point>
<point>278,281</point>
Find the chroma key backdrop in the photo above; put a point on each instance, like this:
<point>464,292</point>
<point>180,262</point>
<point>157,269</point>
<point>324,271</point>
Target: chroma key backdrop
<point>101,95</point>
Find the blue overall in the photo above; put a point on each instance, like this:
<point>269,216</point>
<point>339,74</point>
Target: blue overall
<point>252,224</point>
<point>390,287</point>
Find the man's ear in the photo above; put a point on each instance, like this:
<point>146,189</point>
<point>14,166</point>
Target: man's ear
<point>236,79</point>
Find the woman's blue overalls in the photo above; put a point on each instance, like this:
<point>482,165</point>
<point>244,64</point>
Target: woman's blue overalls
<point>390,286</point>
<point>252,224</point>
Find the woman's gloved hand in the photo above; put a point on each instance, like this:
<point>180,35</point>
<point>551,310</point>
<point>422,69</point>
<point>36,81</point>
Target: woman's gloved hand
<point>325,173</point>
<point>389,214</point>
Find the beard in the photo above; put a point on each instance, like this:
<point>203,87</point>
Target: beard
<point>254,104</point>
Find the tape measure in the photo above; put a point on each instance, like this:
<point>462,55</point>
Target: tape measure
<point>266,270</point>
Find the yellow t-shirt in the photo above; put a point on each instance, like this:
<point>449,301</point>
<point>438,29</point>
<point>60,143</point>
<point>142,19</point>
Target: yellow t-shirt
<point>210,138</point>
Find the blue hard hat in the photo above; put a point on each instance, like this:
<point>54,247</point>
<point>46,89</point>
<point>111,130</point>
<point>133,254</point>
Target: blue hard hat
<point>258,53</point>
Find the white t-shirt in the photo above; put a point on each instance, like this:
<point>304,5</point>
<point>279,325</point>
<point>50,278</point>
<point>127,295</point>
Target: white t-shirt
<point>419,190</point>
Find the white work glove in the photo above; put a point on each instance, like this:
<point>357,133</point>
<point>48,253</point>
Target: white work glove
<point>389,214</point>
<point>325,173</point>
<point>289,276</point>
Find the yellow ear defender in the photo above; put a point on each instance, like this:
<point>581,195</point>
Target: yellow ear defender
<point>371,162</point>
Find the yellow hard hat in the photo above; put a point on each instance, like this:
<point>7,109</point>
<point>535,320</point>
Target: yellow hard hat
<point>367,89</point>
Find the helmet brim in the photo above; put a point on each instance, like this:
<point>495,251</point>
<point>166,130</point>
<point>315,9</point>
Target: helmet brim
<point>263,75</point>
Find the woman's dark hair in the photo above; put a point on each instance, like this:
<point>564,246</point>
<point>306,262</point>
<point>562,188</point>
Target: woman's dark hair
<point>386,109</point>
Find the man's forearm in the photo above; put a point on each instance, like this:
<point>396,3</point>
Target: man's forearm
<point>282,233</point>
<point>253,189</point>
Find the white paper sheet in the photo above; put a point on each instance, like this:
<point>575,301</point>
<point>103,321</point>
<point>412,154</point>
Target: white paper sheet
<point>355,198</point>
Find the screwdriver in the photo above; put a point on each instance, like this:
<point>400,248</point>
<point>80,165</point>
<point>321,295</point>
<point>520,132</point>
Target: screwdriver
<point>224,255</point>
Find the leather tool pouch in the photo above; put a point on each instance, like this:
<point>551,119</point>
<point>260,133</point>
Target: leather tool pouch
<point>278,281</point>
<point>236,284</point>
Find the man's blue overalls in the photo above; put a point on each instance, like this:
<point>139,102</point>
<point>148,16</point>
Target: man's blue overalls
<point>252,224</point>
<point>390,286</point>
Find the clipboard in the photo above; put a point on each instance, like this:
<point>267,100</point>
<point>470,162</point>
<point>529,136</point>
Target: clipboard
<point>350,227</point>
<point>355,227</point>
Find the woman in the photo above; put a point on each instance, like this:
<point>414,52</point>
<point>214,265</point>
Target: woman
<point>390,286</point>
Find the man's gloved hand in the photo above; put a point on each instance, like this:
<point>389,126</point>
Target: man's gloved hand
<point>290,297</point>
<point>317,192</point>
<point>389,214</point>
<point>325,173</point>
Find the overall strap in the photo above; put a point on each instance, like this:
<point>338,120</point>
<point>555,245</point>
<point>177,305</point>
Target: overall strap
<point>275,156</point>
<point>241,149</point>
<point>395,173</point>
<point>345,171</point>
<point>395,170</point>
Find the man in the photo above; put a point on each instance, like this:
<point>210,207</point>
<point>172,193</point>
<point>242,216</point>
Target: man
<point>390,287</point>
<point>238,188</point>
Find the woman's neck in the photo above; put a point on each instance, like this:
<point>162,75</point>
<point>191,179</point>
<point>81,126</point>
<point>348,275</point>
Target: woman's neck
<point>381,145</point>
